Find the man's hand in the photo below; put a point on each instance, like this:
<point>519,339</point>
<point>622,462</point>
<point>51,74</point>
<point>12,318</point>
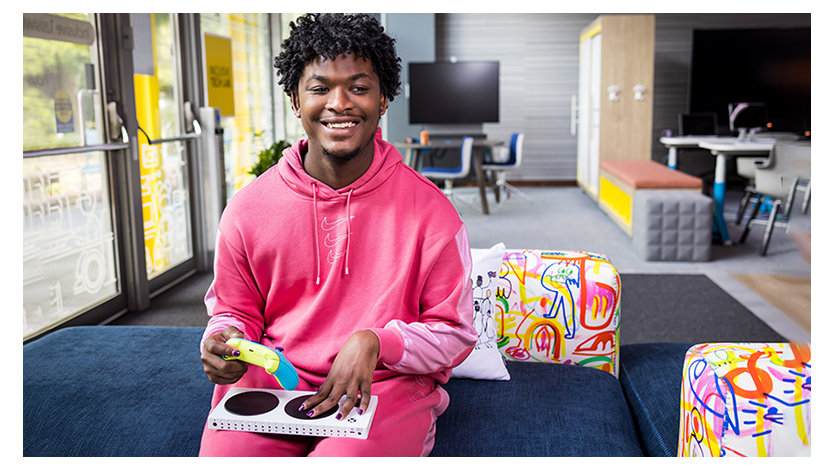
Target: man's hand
<point>351,374</point>
<point>219,370</point>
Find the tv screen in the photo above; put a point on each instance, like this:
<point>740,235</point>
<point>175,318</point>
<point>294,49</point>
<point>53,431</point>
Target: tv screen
<point>770,66</point>
<point>453,93</point>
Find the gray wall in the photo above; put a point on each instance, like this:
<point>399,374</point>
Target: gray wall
<point>414,33</point>
<point>539,55</point>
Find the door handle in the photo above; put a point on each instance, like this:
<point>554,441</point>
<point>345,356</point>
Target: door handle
<point>116,123</point>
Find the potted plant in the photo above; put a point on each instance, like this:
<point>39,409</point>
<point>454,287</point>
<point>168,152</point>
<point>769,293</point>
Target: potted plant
<point>268,157</point>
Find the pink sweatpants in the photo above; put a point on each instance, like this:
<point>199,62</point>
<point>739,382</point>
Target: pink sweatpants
<point>403,425</point>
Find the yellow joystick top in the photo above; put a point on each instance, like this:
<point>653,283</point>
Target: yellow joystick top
<point>256,354</point>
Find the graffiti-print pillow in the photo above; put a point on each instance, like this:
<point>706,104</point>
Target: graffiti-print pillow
<point>559,307</point>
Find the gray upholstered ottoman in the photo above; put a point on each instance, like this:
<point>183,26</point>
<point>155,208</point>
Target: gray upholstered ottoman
<point>672,225</point>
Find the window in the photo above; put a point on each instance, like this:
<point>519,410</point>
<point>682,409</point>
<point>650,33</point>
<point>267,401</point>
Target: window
<point>250,129</point>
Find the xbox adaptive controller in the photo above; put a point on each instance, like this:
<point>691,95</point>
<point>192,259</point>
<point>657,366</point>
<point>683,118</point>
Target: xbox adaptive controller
<point>272,360</point>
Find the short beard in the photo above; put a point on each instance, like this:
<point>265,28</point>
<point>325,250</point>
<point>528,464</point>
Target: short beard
<point>342,157</point>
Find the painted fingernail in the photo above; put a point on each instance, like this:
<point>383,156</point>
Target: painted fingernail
<point>338,416</point>
<point>310,413</point>
<point>361,411</point>
<point>236,353</point>
<point>302,407</point>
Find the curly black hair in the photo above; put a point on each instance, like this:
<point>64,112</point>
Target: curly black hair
<point>331,35</point>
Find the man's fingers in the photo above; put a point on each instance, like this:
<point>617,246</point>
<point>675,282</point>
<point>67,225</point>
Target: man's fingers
<point>365,401</point>
<point>314,400</point>
<point>347,405</point>
<point>216,344</point>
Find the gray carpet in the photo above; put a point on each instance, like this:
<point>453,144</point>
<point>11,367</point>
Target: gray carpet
<point>655,308</point>
<point>685,308</point>
<point>182,305</point>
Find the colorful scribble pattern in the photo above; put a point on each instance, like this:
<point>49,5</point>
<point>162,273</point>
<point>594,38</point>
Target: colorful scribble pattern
<point>746,399</point>
<point>559,307</point>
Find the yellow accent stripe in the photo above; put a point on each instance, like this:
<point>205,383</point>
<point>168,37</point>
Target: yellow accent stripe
<point>615,199</point>
<point>593,31</point>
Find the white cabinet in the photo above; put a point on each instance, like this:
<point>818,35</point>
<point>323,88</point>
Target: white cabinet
<point>616,84</point>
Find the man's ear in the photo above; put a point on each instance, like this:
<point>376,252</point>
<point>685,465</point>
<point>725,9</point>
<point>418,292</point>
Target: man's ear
<point>383,104</point>
<point>295,105</point>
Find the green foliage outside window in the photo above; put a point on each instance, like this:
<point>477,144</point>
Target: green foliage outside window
<point>268,157</point>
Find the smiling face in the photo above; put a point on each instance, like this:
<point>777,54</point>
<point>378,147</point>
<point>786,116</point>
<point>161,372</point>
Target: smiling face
<point>339,103</point>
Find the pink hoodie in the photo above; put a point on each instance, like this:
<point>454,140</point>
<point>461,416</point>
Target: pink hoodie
<point>303,266</point>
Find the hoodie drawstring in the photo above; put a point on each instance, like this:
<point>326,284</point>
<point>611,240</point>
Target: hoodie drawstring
<point>316,231</point>
<point>347,252</point>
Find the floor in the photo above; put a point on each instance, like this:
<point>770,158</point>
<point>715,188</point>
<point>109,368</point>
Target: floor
<point>566,218</point>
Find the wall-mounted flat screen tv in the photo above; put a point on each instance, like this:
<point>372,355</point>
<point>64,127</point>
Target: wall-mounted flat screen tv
<point>453,92</point>
<point>770,66</point>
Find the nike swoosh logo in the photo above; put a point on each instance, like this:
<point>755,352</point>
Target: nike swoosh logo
<point>328,226</point>
<point>330,242</point>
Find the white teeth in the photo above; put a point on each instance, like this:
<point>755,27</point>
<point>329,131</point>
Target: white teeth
<point>340,125</point>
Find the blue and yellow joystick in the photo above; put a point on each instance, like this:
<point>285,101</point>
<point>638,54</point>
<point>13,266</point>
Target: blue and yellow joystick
<point>272,360</point>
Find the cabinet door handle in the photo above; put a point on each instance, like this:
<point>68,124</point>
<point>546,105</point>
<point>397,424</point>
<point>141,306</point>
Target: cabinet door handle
<point>613,93</point>
<point>574,108</point>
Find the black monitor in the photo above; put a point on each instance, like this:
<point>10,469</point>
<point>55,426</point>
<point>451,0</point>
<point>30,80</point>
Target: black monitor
<point>697,124</point>
<point>748,116</point>
<point>453,92</point>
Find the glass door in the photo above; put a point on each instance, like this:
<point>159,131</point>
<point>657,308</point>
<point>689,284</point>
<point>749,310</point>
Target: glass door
<point>69,248</point>
<point>163,149</point>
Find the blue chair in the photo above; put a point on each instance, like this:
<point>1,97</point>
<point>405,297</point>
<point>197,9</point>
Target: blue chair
<point>499,169</point>
<point>448,175</point>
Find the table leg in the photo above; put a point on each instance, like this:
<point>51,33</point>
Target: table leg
<point>479,174</point>
<point>672,159</point>
<point>718,189</point>
<point>409,157</point>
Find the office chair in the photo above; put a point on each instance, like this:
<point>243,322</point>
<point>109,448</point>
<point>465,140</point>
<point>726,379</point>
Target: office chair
<point>499,169</point>
<point>791,163</point>
<point>746,168</point>
<point>448,175</point>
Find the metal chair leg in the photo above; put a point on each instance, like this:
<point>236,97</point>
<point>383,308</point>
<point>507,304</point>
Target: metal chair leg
<point>516,191</point>
<point>742,207</point>
<point>448,191</point>
<point>753,215</point>
<point>807,198</point>
<point>777,204</point>
<point>497,187</point>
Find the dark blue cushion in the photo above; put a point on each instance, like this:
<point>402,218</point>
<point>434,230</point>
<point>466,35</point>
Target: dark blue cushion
<point>543,410</point>
<point>114,391</point>
<point>651,376</point>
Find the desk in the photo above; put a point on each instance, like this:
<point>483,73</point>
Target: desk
<point>685,141</point>
<point>412,158</point>
<point>724,148</point>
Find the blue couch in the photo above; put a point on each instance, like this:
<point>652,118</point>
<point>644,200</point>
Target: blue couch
<point>141,391</point>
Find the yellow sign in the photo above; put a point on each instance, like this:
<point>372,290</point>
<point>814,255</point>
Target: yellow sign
<point>63,112</point>
<point>219,80</point>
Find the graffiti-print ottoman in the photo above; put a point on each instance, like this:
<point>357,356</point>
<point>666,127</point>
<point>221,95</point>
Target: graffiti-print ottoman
<point>746,399</point>
<point>559,307</point>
